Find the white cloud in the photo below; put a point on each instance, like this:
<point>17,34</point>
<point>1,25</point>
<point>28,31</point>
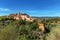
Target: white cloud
<point>4,9</point>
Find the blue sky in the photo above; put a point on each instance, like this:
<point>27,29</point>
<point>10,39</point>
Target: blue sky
<point>31,7</point>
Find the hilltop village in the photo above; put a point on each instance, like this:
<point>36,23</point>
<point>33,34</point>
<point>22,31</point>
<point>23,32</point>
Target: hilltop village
<point>22,16</point>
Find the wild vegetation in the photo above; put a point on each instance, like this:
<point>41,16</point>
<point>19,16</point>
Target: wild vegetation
<point>11,29</point>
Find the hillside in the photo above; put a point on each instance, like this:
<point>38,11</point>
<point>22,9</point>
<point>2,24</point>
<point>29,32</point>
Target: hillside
<point>20,27</point>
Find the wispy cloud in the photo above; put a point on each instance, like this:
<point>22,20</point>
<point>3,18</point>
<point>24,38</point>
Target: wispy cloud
<point>4,9</point>
<point>41,11</point>
<point>44,12</point>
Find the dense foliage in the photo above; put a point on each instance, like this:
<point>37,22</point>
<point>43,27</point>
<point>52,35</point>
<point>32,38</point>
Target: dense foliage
<point>11,29</point>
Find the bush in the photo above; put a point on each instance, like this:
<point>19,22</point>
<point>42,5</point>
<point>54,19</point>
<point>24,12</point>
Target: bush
<point>54,33</point>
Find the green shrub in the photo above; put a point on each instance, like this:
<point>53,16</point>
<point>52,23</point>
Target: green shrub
<point>54,33</point>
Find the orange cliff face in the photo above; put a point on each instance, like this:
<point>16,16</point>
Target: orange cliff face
<point>41,27</point>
